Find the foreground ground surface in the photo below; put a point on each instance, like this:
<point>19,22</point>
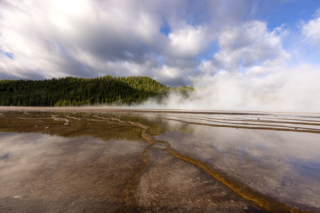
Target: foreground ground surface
<point>111,160</point>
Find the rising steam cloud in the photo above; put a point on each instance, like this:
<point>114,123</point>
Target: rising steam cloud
<point>288,90</point>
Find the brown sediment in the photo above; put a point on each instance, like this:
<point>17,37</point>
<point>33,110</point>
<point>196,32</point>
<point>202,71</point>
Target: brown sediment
<point>168,184</point>
<point>88,119</point>
<point>70,177</point>
<point>254,197</point>
<point>7,133</point>
<point>245,127</point>
<point>127,191</point>
<point>73,118</point>
<point>316,123</point>
<point>53,117</point>
<point>107,120</point>
<point>126,110</point>
<point>243,191</point>
<point>75,128</point>
<point>263,124</point>
<point>164,149</point>
<point>33,118</point>
<point>143,134</point>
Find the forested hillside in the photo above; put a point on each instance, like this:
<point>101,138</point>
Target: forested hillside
<point>72,91</point>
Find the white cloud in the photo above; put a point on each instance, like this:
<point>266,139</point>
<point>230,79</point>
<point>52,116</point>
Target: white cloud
<point>189,41</point>
<point>311,29</point>
<point>73,38</point>
<point>249,45</point>
<point>250,48</point>
<point>89,38</point>
<point>317,13</point>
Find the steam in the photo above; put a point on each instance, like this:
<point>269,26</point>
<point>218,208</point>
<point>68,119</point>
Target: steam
<point>251,72</point>
<point>281,89</point>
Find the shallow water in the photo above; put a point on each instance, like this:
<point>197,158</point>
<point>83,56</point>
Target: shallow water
<point>86,160</point>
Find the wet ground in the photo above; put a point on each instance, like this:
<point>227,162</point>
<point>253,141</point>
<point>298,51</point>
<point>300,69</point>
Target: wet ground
<point>111,160</point>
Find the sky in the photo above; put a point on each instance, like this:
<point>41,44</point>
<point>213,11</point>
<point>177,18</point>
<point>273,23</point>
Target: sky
<point>248,54</point>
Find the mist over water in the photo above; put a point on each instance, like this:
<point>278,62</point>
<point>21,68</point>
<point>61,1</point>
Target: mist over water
<point>291,90</point>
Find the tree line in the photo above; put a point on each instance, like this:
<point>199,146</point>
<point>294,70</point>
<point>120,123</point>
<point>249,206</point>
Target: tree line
<point>72,91</point>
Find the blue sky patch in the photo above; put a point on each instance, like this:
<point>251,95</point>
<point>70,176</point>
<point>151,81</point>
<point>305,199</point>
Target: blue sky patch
<point>9,55</point>
<point>165,29</point>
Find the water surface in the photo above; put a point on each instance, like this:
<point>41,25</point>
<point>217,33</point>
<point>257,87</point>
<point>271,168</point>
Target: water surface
<point>85,160</point>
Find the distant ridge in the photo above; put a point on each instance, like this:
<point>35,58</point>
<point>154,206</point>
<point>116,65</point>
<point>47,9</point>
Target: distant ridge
<point>72,91</point>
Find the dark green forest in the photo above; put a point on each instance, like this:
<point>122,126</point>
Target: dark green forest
<point>71,91</point>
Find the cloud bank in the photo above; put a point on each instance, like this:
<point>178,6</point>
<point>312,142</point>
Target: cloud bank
<point>222,47</point>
